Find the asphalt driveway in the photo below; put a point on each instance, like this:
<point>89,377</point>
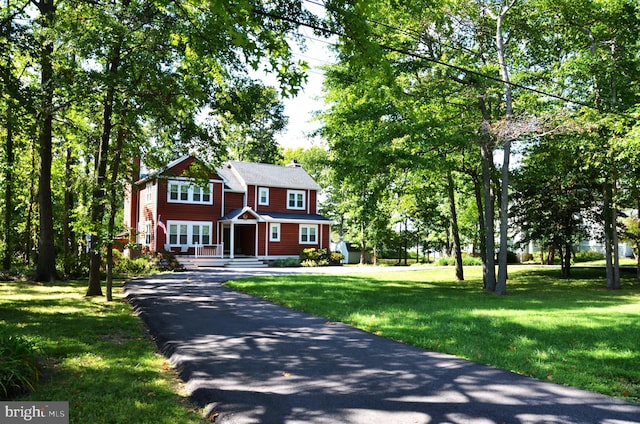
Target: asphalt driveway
<point>246,360</point>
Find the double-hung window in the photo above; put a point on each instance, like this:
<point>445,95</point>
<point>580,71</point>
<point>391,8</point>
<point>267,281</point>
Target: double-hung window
<point>187,192</point>
<point>308,234</point>
<point>148,189</point>
<point>186,233</point>
<point>274,232</point>
<point>147,233</point>
<point>295,199</point>
<point>263,196</point>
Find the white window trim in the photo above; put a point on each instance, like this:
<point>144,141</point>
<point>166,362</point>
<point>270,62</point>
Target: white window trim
<point>271,227</point>
<point>191,187</point>
<point>148,188</point>
<point>296,193</point>
<point>190,225</point>
<point>307,227</point>
<point>147,233</point>
<point>260,191</point>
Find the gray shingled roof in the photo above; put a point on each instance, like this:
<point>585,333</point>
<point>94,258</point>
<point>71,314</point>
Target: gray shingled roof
<point>238,174</point>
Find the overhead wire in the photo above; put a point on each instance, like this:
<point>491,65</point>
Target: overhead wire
<point>417,55</point>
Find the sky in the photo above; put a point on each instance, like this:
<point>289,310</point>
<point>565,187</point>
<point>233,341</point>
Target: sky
<point>301,108</point>
<point>300,111</point>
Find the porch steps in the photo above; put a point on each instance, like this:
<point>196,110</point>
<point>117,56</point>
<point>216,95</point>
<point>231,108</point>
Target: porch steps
<point>191,262</point>
<point>245,263</point>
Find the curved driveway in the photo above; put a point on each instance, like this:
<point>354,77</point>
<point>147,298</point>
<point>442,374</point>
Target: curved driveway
<point>246,360</point>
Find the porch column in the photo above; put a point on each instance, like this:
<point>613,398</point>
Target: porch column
<point>257,238</point>
<point>232,241</point>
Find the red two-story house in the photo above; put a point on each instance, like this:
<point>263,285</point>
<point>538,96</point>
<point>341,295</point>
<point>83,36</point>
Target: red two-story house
<point>244,209</point>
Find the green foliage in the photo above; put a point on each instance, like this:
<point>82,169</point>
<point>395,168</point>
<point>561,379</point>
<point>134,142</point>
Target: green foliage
<point>466,261</point>
<point>311,257</point>
<point>19,367</point>
<point>512,257</point>
<point>286,263</point>
<point>98,355</point>
<point>546,328</point>
<point>588,256</point>
<point>527,257</point>
<point>335,258</point>
<point>125,266</point>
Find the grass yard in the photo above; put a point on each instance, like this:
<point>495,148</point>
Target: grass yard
<point>572,332</point>
<point>97,354</point>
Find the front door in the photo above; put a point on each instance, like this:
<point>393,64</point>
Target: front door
<point>245,240</point>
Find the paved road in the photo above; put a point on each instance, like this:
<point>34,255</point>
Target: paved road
<point>246,360</point>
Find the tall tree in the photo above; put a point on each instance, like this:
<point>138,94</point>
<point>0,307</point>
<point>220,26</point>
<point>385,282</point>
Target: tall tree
<point>252,116</point>
<point>46,267</point>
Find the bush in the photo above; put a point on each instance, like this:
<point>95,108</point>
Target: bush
<point>589,256</point>
<point>336,258</point>
<point>319,257</point>
<point>19,369</point>
<point>512,257</point>
<point>466,261</point>
<point>308,263</point>
<point>286,263</point>
<point>527,257</point>
<point>124,266</point>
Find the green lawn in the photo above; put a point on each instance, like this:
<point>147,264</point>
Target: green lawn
<point>98,355</point>
<point>571,332</point>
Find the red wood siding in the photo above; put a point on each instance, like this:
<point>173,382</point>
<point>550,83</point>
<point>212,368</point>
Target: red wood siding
<point>180,168</point>
<point>233,201</point>
<point>278,201</point>
<point>188,212</point>
<point>312,199</point>
<point>289,244</point>
<point>252,197</point>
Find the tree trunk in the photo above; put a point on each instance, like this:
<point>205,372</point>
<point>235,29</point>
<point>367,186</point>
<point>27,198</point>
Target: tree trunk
<point>638,243</point>
<point>638,262</point>
<point>46,266</point>
<point>28,240</point>
<point>113,200</point>
<point>97,205</point>
<point>501,284</point>
<point>551,257</point>
<point>614,229</point>
<point>486,153</point>
<point>8,189</point>
<point>565,258</point>
<point>66,220</point>
<point>453,219</point>
<point>363,246</point>
<point>608,234</point>
<point>482,231</point>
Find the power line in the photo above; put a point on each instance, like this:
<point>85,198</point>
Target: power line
<point>326,30</point>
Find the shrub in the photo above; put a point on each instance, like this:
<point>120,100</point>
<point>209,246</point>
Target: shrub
<point>527,257</point>
<point>286,263</point>
<point>466,261</point>
<point>471,261</point>
<point>124,266</point>
<point>319,257</point>
<point>19,369</point>
<point>588,256</point>
<point>336,258</point>
<point>308,263</point>
<point>512,257</point>
<point>312,254</point>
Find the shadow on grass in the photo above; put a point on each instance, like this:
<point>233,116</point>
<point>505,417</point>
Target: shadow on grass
<point>97,354</point>
<point>570,331</point>
<point>251,361</point>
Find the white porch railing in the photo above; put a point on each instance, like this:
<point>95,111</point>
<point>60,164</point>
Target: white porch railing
<point>210,251</point>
